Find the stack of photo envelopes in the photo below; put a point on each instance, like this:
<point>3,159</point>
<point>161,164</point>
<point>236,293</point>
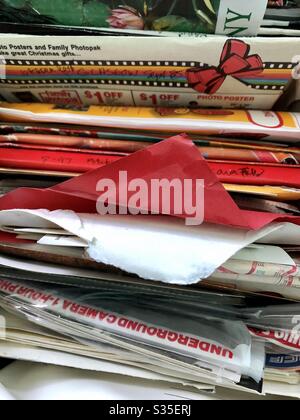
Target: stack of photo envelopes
<point>214,304</point>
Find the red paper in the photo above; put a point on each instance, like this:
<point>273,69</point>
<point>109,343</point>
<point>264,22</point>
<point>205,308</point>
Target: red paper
<point>255,173</point>
<point>78,161</point>
<point>53,160</point>
<point>175,158</point>
<point>24,146</point>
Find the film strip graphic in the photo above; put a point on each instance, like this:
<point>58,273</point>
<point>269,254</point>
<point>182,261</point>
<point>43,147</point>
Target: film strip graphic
<point>145,63</point>
<point>148,73</point>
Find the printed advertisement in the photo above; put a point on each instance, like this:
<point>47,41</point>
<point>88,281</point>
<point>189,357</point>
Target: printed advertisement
<point>196,72</point>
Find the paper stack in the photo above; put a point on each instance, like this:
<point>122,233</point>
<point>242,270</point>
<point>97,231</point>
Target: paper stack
<point>149,199</point>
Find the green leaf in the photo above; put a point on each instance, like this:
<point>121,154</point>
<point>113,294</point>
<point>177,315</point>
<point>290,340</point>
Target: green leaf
<point>216,4</point>
<point>16,3</point>
<point>67,12</point>
<point>96,13</point>
<point>72,12</point>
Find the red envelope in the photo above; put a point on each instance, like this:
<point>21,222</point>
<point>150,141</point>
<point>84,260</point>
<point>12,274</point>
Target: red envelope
<point>175,158</point>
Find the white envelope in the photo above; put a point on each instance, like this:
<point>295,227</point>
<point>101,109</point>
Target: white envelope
<point>154,247</point>
<point>29,381</point>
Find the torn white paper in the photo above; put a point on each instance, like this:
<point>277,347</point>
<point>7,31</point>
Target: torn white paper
<point>153,247</point>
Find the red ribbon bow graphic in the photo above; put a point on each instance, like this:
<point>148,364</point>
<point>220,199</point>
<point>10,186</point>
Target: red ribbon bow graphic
<point>235,61</point>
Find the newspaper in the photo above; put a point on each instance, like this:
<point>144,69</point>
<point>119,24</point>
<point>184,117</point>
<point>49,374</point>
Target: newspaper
<point>130,326</point>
